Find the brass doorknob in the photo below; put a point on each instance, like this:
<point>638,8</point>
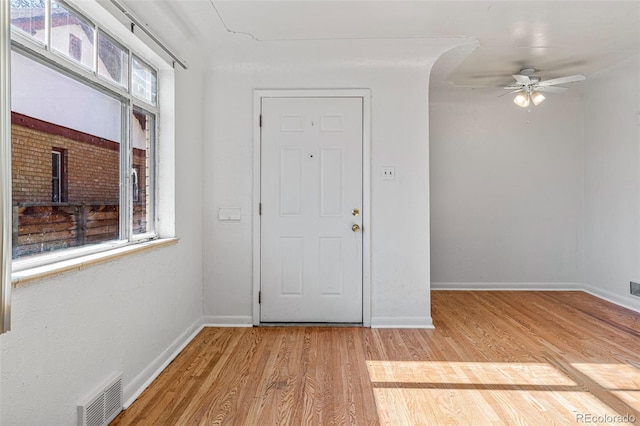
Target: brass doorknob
<point>355,227</point>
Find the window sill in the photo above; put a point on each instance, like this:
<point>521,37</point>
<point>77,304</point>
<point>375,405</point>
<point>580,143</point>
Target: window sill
<point>57,268</point>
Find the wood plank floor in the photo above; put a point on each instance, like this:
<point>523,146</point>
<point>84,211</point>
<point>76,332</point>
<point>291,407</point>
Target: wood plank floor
<point>528,358</point>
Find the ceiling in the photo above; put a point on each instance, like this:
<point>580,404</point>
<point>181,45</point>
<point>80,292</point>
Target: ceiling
<point>556,37</point>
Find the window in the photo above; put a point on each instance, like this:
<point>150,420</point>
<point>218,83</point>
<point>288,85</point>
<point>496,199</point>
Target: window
<point>54,129</point>
<point>57,176</point>
<point>78,141</point>
<point>56,167</point>
<point>144,81</point>
<point>71,34</point>
<point>28,17</point>
<point>113,60</point>
<point>143,130</point>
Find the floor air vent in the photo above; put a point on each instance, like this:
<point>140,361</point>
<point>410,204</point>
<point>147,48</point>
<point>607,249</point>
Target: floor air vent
<point>104,406</point>
<point>635,289</point>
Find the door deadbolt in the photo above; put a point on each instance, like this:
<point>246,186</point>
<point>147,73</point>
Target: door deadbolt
<point>355,212</point>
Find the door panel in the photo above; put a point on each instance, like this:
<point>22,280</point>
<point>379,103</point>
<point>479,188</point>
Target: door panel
<point>291,181</point>
<point>331,168</point>
<point>291,265</point>
<point>331,265</point>
<point>311,180</point>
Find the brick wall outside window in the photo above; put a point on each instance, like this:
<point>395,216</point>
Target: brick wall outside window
<point>92,163</point>
<point>91,167</point>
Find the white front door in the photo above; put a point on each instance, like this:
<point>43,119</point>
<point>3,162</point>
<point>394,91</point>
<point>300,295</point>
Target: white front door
<point>311,196</point>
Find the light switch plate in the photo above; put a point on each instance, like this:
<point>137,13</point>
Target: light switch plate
<point>388,173</point>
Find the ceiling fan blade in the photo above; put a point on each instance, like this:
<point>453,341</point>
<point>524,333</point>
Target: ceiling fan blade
<point>513,86</point>
<point>562,80</point>
<point>550,89</point>
<point>508,93</point>
<point>522,79</point>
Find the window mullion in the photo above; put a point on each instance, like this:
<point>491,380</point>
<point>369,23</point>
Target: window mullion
<point>126,205</point>
<point>5,169</point>
<point>95,49</point>
<point>153,165</point>
<point>48,22</point>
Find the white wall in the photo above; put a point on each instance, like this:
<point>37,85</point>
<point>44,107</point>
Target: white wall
<point>612,183</point>
<point>71,332</point>
<point>506,191</point>
<point>398,75</point>
<point>38,91</point>
<point>542,199</point>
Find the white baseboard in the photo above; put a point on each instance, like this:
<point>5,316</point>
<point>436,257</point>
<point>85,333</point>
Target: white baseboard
<point>133,390</point>
<point>228,321</point>
<point>402,322</point>
<point>508,286</point>
<point>627,301</point>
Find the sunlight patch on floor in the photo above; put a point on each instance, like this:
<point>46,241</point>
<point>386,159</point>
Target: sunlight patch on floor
<point>419,393</point>
<point>467,373</point>
<point>622,380</point>
<point>401,406</point>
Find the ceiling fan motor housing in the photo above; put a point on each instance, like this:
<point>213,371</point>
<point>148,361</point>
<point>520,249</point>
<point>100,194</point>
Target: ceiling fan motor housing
<point>529,73</point>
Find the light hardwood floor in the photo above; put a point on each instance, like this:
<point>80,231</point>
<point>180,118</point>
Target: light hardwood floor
<point>530,358</point>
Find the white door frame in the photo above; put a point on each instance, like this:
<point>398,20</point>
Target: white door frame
<point>365,94</point>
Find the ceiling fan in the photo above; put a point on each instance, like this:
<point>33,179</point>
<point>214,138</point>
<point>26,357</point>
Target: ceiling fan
<point>529,87</point>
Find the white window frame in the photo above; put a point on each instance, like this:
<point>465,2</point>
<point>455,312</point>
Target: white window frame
<point>5,169</point>
<point>42,52</point>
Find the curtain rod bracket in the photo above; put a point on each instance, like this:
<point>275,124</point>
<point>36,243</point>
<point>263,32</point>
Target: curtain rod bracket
<point>137,22</point>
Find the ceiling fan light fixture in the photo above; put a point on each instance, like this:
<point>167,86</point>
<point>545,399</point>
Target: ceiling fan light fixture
<point>522,99</point>
<point>537,98</point>
<point>529,86</point>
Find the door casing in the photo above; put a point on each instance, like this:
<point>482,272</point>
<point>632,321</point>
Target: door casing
<point>365,95</point>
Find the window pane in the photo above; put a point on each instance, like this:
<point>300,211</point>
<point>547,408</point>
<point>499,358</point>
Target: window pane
<point>71,35</point>
<point>143,130</point>
<point>28,16</point>
<point>65,146</point>
<point>58,176</point>
<point>40,92</point>
<point>55,177</point>
<point>113,60</point>
<point>144,81</point>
